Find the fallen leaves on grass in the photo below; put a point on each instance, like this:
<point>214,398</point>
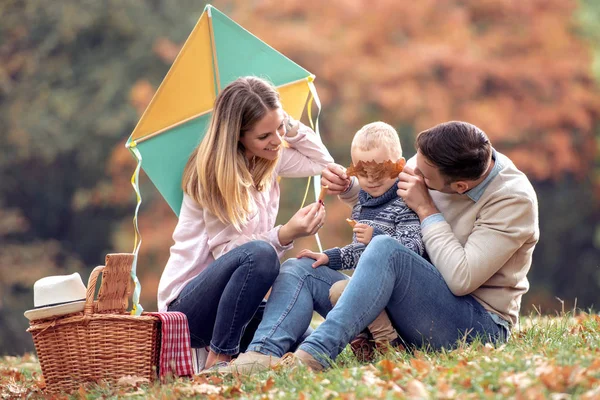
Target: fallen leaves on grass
<point>532,365</point>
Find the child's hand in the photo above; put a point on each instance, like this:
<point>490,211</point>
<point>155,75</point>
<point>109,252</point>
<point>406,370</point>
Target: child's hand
<point>364,233</point>
<point>320,258</point>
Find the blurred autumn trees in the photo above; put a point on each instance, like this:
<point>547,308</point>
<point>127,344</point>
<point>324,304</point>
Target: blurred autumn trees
<point>75,76</point>
<point>519,70</point>
<point>66,74</point>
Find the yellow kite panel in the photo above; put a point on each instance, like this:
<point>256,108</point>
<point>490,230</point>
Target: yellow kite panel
<point>293,97</point>
<point>187,90</point>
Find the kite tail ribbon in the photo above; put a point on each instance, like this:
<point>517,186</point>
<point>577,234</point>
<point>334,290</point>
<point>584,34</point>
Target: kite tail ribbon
<point>315,126</point>
<point>135,182</point>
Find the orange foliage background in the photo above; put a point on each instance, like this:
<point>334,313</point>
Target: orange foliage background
<point>516,69</point>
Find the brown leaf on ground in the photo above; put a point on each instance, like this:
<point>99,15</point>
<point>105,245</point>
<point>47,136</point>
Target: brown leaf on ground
<point>233,391</point>
<point>488,348</point>
<point>265,386</point>
<point>371,379</point>
<point>519,380</point>
<point>555,378</point>
<point>466,383</point>
<point>11,373</point>
<point>203,388</point>
<point>420,366</point>
<point>16,389</point>
<point>134,381</point>
<point>41,383</point>
<point>416,389</point>
<point>387,366</point>
<point>445,391</point>
<point>592,394</point>
<point>395,389</point>
<point>215,380</point>
<point>198,379</point>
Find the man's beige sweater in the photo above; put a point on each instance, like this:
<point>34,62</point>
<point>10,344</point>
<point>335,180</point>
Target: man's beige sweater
<point>483,245</point>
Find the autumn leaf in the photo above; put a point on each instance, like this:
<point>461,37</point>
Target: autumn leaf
<point>415,389</point>
<point>520,380</point>
<point>265,386</point>
<point>394,388</point>
<point>387,366</point>
<point>445,391</point>
<point>202,388</point>
<point>41,382</point>
<point>233,390</point>
<point>420,366</point>
<point>215,380</point>
<point>82,393</point>
<point>129,380</point>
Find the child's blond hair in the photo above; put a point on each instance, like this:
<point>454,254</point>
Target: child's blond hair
<point>376,135</point>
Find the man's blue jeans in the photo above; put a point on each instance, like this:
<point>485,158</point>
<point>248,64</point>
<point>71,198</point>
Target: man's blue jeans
<point>388,275</point>
<point>224,300</point>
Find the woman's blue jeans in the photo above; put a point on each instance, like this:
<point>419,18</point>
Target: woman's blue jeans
<point>221,303</point>
<point>421,306</point>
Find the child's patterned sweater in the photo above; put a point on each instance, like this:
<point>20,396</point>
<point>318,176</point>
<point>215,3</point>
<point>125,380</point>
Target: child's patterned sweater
<point>389,215</point>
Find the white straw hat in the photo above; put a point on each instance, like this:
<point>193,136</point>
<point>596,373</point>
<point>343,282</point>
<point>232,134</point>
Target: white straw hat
<point>57,295</point>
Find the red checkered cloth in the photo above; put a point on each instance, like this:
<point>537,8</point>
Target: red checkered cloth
<point>175,353</point>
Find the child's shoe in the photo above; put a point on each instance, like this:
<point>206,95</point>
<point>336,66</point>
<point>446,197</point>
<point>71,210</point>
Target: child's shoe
<point>384,347</point>
<point>363,347</point>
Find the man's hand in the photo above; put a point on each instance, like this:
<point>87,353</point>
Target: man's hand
<point>320,258</point>
<point>413,190</point>
<point>335,178</point>
<point>364,233</point>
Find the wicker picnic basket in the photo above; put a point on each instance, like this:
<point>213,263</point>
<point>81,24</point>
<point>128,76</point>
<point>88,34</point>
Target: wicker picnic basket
<point>102,343</point>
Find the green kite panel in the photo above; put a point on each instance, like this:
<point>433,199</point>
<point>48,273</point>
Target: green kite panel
<point>240,53</point>
<point>164,157</point>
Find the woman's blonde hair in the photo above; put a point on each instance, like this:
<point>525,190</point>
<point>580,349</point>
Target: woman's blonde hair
<point>217,174</point>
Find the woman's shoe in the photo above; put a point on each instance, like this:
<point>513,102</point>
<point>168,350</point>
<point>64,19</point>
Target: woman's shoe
<point>218,368</point>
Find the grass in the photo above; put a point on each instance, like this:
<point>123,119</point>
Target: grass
<point>556,358</point>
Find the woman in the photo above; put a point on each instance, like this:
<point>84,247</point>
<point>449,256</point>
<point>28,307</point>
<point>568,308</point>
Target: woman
<point>227,247</point>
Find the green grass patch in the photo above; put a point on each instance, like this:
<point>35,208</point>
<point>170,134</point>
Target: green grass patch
<point>548,358</point>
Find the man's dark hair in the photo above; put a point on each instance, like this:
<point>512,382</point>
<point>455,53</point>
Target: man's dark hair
<point>458,149</point>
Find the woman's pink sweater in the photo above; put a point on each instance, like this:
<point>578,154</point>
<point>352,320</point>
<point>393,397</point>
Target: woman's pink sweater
<point>200,237</point>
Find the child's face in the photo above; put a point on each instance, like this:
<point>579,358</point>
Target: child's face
<point>372,182</point>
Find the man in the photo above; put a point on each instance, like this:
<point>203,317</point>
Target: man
<point>479,219</point>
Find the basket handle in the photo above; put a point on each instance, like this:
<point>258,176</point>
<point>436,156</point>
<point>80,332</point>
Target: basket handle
<point>91,290</point>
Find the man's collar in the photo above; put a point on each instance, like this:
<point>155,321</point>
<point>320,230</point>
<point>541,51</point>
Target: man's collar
<point>476,192</point>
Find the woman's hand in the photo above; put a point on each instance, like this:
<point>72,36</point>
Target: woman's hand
<point>320,258</point>
<point>335,178</point>
<point>306,222</point>
<point>291,126</point>
<point>364,233</point>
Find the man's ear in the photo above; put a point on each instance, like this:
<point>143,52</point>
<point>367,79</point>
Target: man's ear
<point>460,187</point>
